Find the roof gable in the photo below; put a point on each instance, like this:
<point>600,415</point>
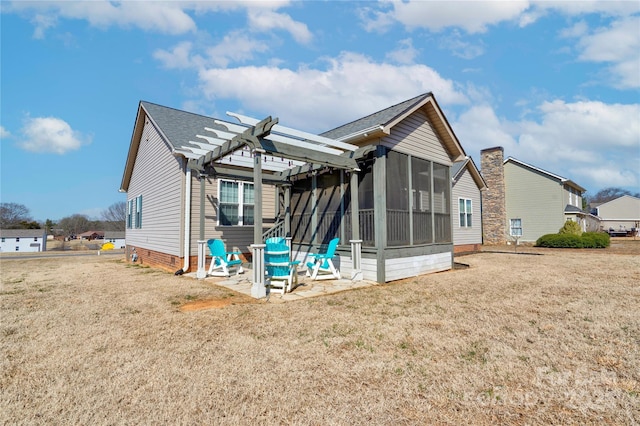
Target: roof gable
<point>381,122</point>
<point>550,175</point>
<point>468,164</point>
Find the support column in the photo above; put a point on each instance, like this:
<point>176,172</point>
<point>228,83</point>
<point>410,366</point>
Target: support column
<point>287,211</point>
<point>258,289</point>
<point>356,242</point>
<point>202,256</point>
<point>202,259</point>
<point>356,258</point>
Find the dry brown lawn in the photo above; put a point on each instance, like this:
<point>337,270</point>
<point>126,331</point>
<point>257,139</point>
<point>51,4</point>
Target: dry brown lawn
<point>513,339</point>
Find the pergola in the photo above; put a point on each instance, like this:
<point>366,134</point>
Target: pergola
<point>221,153</point>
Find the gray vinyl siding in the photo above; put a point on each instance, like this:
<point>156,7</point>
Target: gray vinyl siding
<point>623,208</point>
<point>621,213</point>
<point>536,199</point>
<point>416,136</point>
<point>465,187</point>
<point>236,238</point>
<point>158,176</point>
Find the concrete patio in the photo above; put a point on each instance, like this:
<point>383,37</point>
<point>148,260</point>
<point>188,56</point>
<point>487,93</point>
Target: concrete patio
<point>306,286</point>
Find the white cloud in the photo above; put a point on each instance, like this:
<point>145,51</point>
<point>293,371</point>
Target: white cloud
<point>179,57</point>
<point>458,47</point>
<point>318,99</point>
<point>163,17</point>
<point>405,53</point>
<point>618,44</point>
<point>593,143</point>
<point>235,47</point>
<point>606,174</point>
<point>4,133</point>
<point>167,17</point>
<point>50,134</point>
<point>479,127</point>
<point>472,16</point>
<point>267,20</point>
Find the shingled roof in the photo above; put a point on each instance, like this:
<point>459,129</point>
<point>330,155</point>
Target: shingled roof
<point>380,118</point>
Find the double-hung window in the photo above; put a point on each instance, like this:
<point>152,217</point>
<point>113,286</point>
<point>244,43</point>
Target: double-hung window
<point>236,203</point>
<point>466,212</point>
<point>515,229</point>
<point>134,212</point>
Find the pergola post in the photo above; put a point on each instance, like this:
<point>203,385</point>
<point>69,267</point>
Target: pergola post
<point>202,257</point>
<point>287,211</point>
<point>258,289</point>
<point>356,242</point>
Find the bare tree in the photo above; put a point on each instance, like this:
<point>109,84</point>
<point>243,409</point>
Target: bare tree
<point>75,224</point>
<point>14,216</point>
<point>611,193</point>
<point>114,216</point>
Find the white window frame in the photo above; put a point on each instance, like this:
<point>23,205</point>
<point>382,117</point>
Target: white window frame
<point>240,201</point>
<point>468,213</point>
<point>512,227</point>
<point>134,213</point>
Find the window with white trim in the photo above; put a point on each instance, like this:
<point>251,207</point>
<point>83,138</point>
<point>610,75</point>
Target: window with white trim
<point>134,212</point>
<point>515,229</point>
<point>466,212</point>
<point>236,203</point>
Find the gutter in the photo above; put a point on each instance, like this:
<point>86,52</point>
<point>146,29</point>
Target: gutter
<point>362,134</point>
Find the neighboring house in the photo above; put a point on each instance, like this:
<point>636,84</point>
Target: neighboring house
<point>524,202</point>
<point>23,240</point>
<point>91,235</point>
<point>115,237</point>
<point>382,182</point>
<point>466,203</point>
<point>620,214</point>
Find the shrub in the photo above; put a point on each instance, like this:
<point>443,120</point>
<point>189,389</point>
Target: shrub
<point>586,240</point>
<point>596,240</point>
<point>570,227</point>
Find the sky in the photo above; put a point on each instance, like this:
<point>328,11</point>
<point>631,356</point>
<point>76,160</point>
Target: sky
<point>555,83</point>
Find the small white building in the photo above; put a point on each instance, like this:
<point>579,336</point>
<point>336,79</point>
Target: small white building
<point>115,237</point>
<point>23,240</point>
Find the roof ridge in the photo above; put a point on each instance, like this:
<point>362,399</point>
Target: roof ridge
<point>411,101</point>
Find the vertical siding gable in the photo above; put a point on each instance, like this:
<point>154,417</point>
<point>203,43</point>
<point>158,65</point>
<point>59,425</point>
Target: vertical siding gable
<point>158,176</point>
<point>416,135</point>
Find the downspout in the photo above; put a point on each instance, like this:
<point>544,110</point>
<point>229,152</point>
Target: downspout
<point>187,222</point>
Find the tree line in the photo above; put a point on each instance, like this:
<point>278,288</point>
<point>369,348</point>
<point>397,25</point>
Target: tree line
<point>17,216</point>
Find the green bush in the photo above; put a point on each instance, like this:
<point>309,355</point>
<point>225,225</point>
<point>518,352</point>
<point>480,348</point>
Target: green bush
<point>571,227</point>
<point>586,240</point>
<point>596,240</point>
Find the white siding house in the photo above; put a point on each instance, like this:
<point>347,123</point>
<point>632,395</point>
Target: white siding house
<point>23,240</point>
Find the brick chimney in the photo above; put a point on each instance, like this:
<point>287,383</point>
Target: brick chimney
<point>494,214</point>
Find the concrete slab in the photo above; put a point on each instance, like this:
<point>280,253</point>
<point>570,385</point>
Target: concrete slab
<point>306,287</point>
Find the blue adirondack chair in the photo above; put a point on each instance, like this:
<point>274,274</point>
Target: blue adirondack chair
<point>322,266</point>
<point>221,260</point>
<point>282,273</point>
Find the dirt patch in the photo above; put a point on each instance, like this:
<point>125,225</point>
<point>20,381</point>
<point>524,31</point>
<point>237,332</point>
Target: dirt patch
<point>200,305</point>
